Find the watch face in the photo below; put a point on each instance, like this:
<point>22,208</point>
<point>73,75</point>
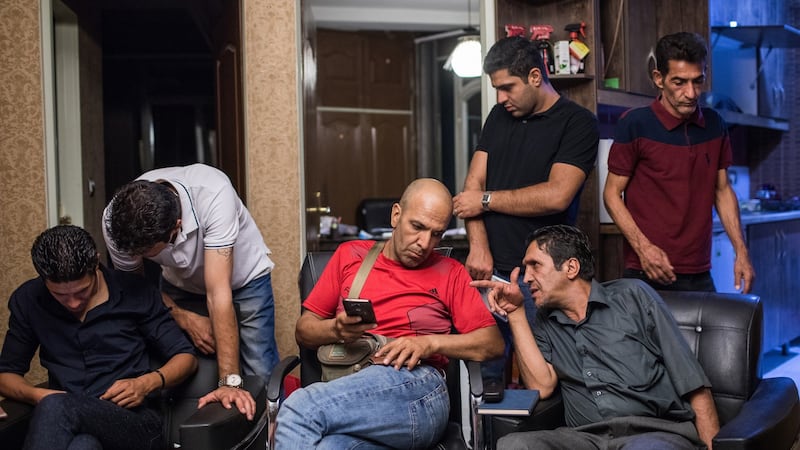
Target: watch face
<point>233,380</point>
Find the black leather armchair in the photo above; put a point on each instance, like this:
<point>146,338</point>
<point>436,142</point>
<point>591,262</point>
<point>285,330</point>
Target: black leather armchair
<point>211,428</point>
<point>310,371</point>
<point>725,332</point>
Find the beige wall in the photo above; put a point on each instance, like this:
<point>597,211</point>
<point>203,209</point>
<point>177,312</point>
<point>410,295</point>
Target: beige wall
<point>22,188</point>
<point>273,142</point>
<point>274,158</point>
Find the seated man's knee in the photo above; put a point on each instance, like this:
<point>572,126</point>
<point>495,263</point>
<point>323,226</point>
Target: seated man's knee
<point>85,442</point>
<point>297,406</point>
<point>55,404</point>
<point>513,441</point>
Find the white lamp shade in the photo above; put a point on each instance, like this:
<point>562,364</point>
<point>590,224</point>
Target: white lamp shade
<point>465,60</point>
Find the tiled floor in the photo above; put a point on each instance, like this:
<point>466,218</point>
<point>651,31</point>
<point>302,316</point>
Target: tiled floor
<point>777,364</point>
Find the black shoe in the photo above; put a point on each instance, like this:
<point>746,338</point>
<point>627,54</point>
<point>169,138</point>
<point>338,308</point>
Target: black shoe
<point>493,390</point>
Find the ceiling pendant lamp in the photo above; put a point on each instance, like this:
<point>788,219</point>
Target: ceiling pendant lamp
<point>466,58</point>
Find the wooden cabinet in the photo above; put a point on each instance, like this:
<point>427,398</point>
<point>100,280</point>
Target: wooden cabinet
<point>629,31</point>
<point>775,254</point>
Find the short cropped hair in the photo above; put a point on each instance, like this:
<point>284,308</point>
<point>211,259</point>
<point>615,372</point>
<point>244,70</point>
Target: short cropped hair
<point>64,253</point>
<point>516,54</point>
<point>142,214</point>
<point>563,242</point>
<point>682,46</point>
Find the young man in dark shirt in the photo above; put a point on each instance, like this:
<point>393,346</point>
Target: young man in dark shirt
<point>93,328</point>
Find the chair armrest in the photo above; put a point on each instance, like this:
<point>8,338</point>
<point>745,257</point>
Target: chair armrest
<point>547,415</point>
<point>770,419</point>
<point>275,388</point>
<point>215,427</point>
<point>475,378</point>
<point>14,427</point>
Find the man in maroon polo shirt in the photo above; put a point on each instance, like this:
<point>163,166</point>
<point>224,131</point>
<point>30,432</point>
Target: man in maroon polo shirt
<point>670,161</point>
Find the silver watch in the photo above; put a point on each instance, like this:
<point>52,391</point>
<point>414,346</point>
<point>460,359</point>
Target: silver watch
<point>487,197</point>
<point>231,380</point>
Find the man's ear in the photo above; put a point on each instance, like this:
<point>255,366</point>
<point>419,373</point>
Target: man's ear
<point>535,77</point>
<point>395,214</point>
<point>573,268</point>
<point>658,79</point>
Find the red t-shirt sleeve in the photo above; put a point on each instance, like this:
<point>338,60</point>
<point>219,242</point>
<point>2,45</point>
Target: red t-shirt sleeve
<point>469,313</point>
<point>325,298</point>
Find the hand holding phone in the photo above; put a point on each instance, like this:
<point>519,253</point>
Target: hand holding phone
<point>360,307</point>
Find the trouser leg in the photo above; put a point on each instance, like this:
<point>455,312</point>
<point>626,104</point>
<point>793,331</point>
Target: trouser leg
<point>59,418</point>
<point>255,312</point>
<point>378,406</point>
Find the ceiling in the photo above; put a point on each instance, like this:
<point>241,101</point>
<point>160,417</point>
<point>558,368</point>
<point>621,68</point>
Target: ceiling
<point>400,15</point>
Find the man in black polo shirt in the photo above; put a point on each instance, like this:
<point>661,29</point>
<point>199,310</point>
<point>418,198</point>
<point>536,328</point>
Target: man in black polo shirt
<point>535,151</point>
<point>93,327</point>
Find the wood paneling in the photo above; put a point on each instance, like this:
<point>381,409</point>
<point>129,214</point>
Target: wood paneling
<point>634,41</point>
<point>363,122</point>
<point>230,108</point>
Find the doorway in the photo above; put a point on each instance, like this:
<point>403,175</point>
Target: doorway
<point>158,83</point>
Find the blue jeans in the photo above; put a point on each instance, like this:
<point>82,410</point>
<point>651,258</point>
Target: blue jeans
<point>78,422</point>
<point>376,408</point>
<point>255,313</point>
<point>494,368</point>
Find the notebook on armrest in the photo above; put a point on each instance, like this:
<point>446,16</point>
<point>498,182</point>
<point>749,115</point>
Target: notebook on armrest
<point>516,402</point>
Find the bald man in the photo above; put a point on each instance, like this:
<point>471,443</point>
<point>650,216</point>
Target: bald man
<point>418,296</point>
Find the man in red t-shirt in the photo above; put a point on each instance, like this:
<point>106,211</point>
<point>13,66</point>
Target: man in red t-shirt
<point>418,297</point>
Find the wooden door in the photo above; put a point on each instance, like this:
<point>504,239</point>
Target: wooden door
<point>227,46</point>
<point>360,145</point>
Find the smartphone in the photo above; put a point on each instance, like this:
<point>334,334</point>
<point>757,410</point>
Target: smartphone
<point>360,307</point>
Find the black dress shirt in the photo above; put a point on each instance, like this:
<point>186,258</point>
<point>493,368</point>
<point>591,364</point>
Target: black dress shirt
<point>111,343</point>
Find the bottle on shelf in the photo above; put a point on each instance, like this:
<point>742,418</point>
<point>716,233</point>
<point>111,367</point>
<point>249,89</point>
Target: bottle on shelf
<point>577,49</point>
<point>541,34</point>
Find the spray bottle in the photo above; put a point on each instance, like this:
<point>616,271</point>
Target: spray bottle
<point>541,35</point>
<point>514,30</point>
<point>577,49</point>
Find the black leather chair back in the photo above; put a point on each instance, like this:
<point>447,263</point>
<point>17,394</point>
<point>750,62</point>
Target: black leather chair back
<point>313,266</point>
<point>725,332</point>
<point>375,214</point>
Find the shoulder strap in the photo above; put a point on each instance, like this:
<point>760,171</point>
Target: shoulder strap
<point>363,271</point>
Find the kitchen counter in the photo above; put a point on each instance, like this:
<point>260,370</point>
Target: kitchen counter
<point>752,218</point>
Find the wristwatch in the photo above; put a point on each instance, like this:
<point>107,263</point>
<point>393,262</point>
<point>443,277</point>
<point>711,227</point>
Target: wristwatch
<point>487,197</point>
<point>231,380</point>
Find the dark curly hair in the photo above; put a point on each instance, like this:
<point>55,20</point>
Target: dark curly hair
<point>563,242</point>
<point>142,214</point>
<point>682,46</point>
<point>518,55</point>
<point>64,253</point>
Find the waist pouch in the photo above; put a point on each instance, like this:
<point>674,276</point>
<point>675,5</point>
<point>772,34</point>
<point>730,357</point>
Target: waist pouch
<point>338,360</point>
